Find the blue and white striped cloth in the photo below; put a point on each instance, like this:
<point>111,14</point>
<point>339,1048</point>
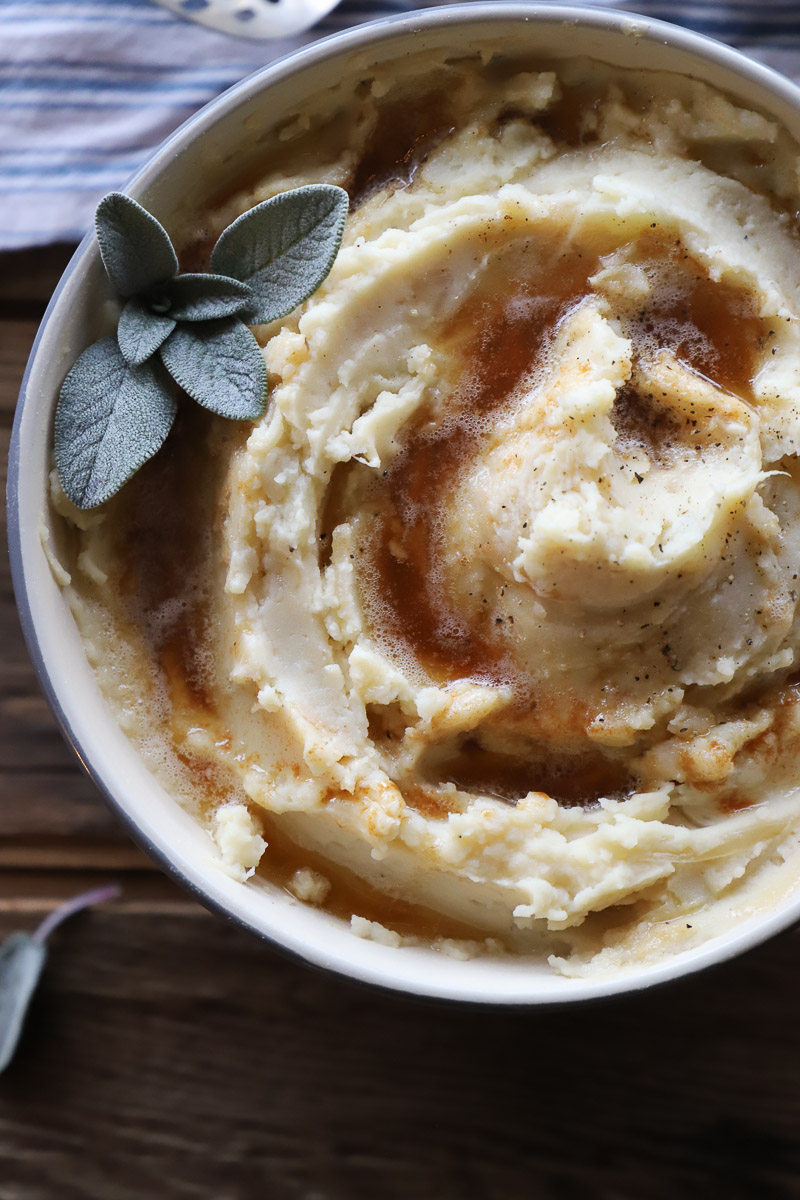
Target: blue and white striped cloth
<point>89,87</point>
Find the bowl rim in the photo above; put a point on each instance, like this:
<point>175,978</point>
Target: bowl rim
<point>706,49</point>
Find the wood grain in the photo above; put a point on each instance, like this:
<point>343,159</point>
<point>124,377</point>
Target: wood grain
<point>169,1054</point>
<point>28,277</point>
<point>181,1058</point>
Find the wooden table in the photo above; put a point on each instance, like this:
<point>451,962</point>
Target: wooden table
<point>169,1054</point>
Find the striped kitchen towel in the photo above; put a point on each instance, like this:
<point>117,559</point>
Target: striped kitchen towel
<point>89,87</point>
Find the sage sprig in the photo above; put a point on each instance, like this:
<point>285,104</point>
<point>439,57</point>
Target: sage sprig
<point>190,331</point>
<point>22,957</point>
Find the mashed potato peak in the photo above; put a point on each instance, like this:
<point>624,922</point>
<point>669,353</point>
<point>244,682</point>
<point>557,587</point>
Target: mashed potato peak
<point>503,587</point>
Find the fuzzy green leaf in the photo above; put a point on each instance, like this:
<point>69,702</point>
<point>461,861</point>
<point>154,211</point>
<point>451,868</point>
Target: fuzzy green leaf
<point>140,331</point>
<point>21,961</point>
<point>283,248</point>
<point>22,957</point>
<point>206,297</point>
<point>220,365</point>
<point>111,418</point>
<point>136,250</point>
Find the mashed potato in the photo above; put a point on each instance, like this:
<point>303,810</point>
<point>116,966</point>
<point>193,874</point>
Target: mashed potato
<point>499,599</point>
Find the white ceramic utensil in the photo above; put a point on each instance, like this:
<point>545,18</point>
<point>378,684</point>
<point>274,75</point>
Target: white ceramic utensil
<point>256,19</point>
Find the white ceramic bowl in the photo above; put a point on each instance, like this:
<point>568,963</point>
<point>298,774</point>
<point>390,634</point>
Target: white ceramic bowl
<point>204,145</point>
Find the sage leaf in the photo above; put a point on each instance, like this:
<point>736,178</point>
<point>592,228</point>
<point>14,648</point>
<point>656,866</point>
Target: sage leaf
<point>136,251</point>
<point>206,297</point>
<point>22,957</point>
<point>21,961</point>
<point>283,248</point>
<point>141,331</point>
<point>110,419</point>
<point>220,365</point>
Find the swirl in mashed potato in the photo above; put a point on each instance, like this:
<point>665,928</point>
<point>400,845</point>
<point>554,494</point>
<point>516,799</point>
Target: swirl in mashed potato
<point>504,585</point>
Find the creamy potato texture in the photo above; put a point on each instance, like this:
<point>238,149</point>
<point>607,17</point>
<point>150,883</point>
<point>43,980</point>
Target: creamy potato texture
<point>496,608</point>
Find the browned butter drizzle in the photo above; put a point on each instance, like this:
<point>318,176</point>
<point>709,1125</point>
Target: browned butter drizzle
<point>496,339</point>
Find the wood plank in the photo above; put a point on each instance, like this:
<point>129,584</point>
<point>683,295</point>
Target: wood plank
<point>27,723</point>
<point>26,896</point>
<point>178,1057</point>
<point>29,277</point>
<point>17,338</point>
<point>55,803</point>
<point>50,852</point>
